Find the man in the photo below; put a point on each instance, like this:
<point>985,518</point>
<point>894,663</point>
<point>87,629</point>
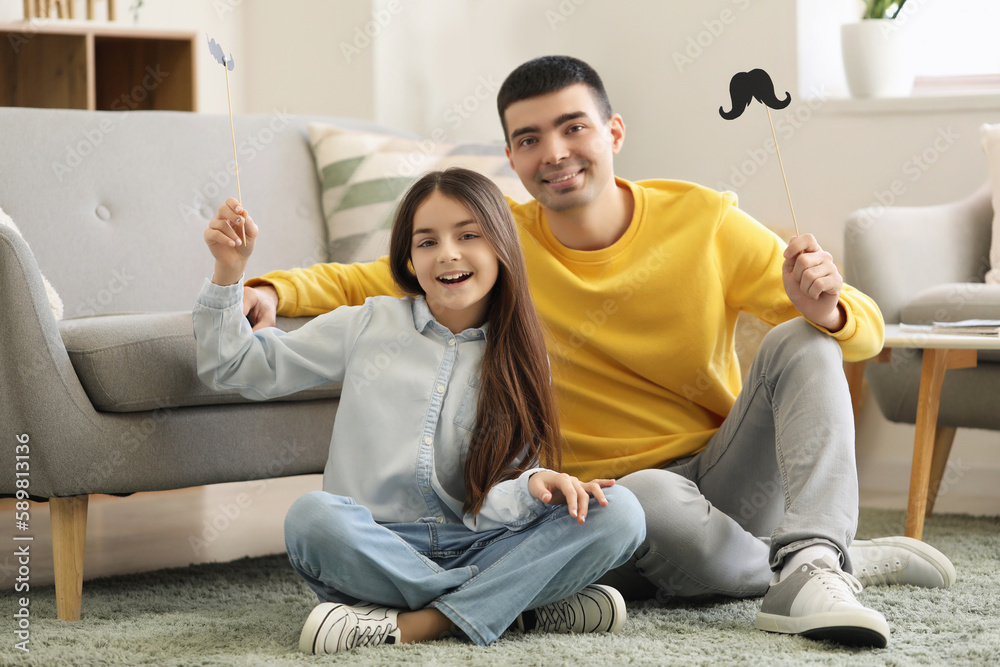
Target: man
<point>747,491</point>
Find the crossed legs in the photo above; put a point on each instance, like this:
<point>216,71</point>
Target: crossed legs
<point>479,581</point>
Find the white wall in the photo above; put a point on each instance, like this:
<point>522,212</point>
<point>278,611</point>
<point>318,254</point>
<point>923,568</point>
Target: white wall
<point>302,56</point>
<point>435,64</point>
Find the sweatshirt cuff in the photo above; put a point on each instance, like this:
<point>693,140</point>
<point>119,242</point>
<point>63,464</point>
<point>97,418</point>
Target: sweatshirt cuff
<point>533,505</point>
<point>287,294</point>
<point>220,296</point>
<point>846,332</point>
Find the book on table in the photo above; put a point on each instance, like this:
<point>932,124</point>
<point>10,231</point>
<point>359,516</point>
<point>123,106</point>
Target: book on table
<point>968,327</point>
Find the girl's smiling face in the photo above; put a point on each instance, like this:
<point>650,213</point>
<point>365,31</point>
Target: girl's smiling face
<point>454,263</point>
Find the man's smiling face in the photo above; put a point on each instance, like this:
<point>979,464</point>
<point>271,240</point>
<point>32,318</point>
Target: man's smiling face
<point>561,148</point>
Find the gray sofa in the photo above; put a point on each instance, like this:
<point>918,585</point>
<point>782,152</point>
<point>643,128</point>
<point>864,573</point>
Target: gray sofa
<point>112,207</point>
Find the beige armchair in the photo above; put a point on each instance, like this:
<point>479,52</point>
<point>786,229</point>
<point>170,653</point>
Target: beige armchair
<point>922,264</point>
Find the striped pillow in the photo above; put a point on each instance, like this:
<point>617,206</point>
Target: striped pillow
<point>364,175</point>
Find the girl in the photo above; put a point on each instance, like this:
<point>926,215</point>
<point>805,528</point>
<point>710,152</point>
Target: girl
<point>433,518</point>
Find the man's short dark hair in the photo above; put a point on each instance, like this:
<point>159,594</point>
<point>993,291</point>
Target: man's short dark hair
<point>550,74</point>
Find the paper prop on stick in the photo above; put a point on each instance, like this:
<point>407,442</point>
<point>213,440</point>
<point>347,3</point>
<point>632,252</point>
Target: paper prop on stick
<point>756,84</point>
<point>746,87</point>
<point>227,61</point>
<point>216,50</point>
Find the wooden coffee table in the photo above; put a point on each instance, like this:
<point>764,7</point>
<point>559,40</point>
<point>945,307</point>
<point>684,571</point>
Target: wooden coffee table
<point>931,445</point>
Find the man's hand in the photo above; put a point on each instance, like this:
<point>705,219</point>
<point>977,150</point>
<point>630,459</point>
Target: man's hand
<point>556,488</point>
<point>260,304</point>
<point>813,282</point>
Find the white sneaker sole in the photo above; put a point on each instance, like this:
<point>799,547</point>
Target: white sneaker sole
<point>855,628</point>
<point>617,603</point>
<point>310,630</point>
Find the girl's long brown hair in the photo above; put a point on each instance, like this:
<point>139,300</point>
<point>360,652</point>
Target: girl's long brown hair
<point>517,423</point>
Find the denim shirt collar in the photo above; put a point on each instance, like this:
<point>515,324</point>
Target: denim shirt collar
<point>422,318</point>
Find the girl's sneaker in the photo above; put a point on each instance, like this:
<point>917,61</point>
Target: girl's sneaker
<point>596,608</point>
<point>333,627</point>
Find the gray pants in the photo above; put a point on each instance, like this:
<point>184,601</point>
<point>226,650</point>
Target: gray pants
<point>778,476</point>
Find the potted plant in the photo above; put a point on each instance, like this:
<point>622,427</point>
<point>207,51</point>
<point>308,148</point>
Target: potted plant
<point>882,9</point>
<point>876,53</point>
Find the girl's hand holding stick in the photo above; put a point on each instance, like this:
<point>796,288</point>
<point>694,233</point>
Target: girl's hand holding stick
<point>223,238</point>
<point>228,63</point>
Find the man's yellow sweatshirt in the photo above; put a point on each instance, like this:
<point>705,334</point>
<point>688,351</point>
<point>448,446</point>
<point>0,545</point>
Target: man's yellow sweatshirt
<point>640,334</point>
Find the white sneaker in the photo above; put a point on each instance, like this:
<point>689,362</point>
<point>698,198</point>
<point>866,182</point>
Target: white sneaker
<point>887,561</point>
<point>817,601</point>
<point>596,608</point>
<point>332,627</point>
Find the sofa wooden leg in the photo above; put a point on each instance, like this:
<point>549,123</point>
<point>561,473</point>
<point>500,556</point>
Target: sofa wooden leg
<point>943,440</point>
<point>69,538</point>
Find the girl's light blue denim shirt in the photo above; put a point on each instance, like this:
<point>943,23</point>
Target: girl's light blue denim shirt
<point>407,407</point>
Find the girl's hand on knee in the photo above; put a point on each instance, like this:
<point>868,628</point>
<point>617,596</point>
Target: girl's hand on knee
<point>559,488</point>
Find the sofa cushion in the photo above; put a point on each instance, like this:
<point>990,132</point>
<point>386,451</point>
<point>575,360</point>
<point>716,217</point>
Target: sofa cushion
<point>363,176</point>
<point>990,135</point>
<point>953,302</point>
<point>144,361</point>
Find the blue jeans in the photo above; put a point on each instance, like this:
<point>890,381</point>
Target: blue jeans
<point>778,476</point>
<point>480,580</point>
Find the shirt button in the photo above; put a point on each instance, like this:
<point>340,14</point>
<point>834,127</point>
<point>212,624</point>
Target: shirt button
<point>428,440</point>
<point>440,388</point>
<point>451,342</point>
<point>440,519</point>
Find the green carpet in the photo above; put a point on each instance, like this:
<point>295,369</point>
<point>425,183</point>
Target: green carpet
<point>251,611</point>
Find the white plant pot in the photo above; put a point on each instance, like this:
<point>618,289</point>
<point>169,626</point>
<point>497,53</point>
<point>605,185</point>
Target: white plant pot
<point>877,58</point>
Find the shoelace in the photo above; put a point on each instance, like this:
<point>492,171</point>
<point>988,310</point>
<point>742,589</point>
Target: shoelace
<point>370,632</point>
<point>842,586</point>
<point>553,617</point>
<point>885,574</point>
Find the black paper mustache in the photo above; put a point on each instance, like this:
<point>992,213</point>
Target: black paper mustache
<point>753,85</point>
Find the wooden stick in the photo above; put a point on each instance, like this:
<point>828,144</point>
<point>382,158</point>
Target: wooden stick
<point>782,166</point>
<point>232,131</point>
<point>29,9</point>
